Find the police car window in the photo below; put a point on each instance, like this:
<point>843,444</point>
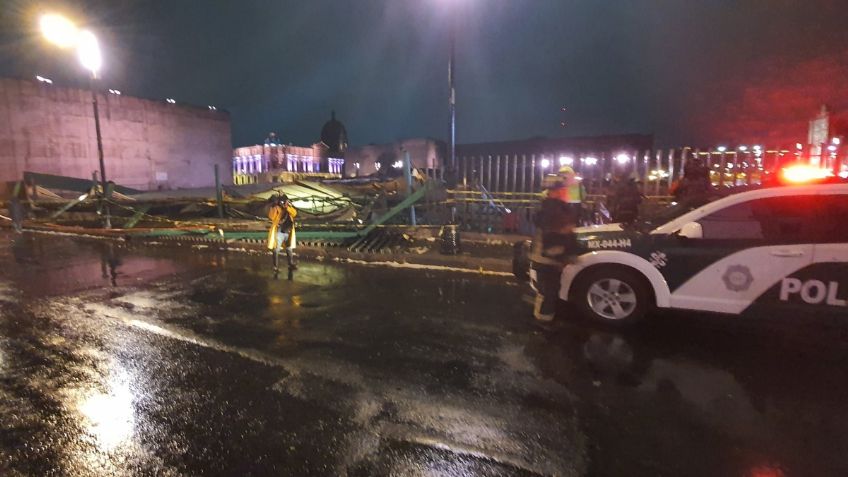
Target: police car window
<point>833,225</point>
<point>734,222</point>
<point>775,219</point>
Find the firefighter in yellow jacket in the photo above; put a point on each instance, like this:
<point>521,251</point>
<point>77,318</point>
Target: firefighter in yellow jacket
<point>282,214</point>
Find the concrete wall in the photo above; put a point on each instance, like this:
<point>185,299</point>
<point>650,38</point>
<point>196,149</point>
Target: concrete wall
<point>425,153</point>
<point>147,144</point>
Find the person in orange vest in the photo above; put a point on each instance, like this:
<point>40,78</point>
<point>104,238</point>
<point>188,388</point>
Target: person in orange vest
<point>281,233</point>
<point>555,243</point>
<point>566,187</point>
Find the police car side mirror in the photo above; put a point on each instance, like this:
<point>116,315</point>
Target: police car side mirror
<point>692,230</point>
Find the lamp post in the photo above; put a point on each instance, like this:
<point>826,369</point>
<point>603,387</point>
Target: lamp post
<point>452,103</point>
<point>63,33</point>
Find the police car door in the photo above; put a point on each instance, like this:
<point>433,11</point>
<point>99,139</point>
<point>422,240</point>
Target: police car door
<point>746,249</point>
<point>822,287</point>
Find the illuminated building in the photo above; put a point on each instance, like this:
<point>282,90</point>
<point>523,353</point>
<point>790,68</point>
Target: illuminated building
<point>277,162</point>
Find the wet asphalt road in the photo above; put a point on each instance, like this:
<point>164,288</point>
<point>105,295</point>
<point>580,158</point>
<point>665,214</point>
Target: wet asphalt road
<point>120,360</point>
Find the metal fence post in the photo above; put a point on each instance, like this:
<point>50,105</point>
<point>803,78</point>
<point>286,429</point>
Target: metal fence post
<point>219,193</point>
<point>489,172</point>
<point>670,180</point>
<point>514,173</point>
<point>497,187</point>
<point>532,173</point>
<point>659,170</point>
<point>523,173</point>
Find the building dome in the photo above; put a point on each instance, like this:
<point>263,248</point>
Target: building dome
<point>334,135</point>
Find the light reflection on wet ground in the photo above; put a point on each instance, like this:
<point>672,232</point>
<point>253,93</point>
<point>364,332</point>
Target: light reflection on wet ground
<point>122,360</point>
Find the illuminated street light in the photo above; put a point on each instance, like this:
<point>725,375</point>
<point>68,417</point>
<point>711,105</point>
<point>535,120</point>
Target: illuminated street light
<point>743,148</point>
<point>836,141</point>
<point>88,51</point>
<point>212,108</point>
<point>622,159</point>
<point>591,161</point>
<point>799,146</point>
<point>43,79</point>
<point>170,100</point>
<point>722,148</point>
<point>62,32</point>
<point>115,92</point>
<point>566,161</point>
<point>545,163</point>
<point>831,148</point>
<point>59,30</point>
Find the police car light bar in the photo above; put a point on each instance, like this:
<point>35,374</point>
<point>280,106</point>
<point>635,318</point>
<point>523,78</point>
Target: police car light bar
<point>801,174</point>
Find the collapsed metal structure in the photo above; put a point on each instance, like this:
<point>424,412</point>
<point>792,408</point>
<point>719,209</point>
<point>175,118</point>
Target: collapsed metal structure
<point>355,214</point>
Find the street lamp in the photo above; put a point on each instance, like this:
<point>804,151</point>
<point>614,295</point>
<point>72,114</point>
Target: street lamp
<point>452,100</point>
<point>63,33</point>
<point>58,30</point>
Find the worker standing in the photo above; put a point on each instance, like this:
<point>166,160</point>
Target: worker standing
<point>568,188</point>
<point>626,199</point>
<point>555,243</point>
<point>282,231</point>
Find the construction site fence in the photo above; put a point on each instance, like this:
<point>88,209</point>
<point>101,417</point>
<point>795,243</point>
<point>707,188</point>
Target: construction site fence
<point>656,170</point>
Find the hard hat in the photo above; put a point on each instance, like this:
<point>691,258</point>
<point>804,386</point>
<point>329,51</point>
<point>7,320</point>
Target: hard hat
<point>566,170</point>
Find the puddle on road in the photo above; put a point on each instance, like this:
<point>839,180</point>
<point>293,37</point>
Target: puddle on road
<point>52,266</point>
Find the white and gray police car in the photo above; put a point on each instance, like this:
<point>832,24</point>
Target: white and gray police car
<point>758,253</point>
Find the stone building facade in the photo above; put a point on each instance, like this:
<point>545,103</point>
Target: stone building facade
<point>426,154</point>
<point>147,144</point>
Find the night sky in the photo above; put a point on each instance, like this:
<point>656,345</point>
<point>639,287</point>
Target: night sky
<point>650,66</point>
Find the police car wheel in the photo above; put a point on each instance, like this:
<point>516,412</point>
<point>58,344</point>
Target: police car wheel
<point>612,295</point>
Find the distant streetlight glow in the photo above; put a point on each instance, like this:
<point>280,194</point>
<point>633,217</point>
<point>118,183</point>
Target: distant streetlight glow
<point>836,141</point>
<point>722,148</point>
<point>88,51</point>
<point>831,148</point>
<point>43,79</point>
<point>744,148</point>
<point>799,146</point>
<point>566,161</point>
<point>115,92</point>
<point>59,30</point>
<point>212,108</point>
<point>591,161</point>
<point>545,163</point>
<point>622,159</point>
<point>171,100</point>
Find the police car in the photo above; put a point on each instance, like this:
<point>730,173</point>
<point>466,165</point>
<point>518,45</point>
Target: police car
<point>760,252</point>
